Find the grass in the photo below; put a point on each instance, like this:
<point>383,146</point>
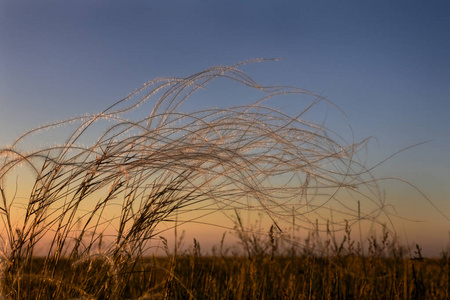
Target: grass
<point>340,273</point>
<point>97,201</point>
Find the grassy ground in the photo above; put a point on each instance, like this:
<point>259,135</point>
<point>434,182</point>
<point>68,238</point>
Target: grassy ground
<point>259,276</point>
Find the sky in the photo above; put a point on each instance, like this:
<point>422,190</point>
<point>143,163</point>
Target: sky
<point>386,64</point>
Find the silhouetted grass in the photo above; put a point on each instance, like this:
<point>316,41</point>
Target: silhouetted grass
<point>341,274</point>
<point>97,200</point>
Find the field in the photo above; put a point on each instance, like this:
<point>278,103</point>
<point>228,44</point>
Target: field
<point>342,272</point>
<point>97,201</point>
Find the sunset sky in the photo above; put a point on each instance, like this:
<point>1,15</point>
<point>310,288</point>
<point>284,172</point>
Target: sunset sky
<point>386,64</point>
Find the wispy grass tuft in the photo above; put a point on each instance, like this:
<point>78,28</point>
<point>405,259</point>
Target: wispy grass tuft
<point>97,202</point>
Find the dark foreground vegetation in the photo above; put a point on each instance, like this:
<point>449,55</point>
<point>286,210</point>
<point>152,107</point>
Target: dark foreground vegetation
<point>339,273</point>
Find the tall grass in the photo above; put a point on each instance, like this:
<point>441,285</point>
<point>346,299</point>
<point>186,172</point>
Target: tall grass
<point>95,204</point>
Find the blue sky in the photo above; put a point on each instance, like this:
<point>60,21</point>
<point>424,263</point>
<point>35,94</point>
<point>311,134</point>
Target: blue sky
<point>385,63</point>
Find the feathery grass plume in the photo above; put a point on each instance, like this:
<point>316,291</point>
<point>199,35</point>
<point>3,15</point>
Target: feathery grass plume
<point>139,171</point>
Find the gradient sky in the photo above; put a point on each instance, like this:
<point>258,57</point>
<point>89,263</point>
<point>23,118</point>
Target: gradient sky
<point>385,63</point>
